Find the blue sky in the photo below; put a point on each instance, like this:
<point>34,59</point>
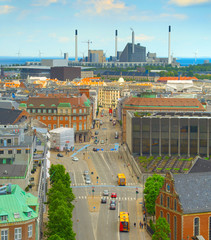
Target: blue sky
<point>48,26</point>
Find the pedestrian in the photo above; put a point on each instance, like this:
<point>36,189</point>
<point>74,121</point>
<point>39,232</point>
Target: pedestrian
<point>140,224</point>
<point>134,224</point>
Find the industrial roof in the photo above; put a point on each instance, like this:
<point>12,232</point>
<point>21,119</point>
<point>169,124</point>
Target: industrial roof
<point>17,205</point>
<point>12,170</point>
<point>164,103</point>
<point>194,190</point>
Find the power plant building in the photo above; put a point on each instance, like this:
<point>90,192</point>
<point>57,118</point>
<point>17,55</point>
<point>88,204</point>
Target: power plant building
<point>139,54</point>
<point>96,56</point>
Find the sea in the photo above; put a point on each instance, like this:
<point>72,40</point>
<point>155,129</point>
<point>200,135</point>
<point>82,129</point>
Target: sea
<point>22,60</point>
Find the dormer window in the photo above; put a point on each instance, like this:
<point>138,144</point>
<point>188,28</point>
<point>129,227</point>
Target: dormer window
<point>29,214</point>
<point>16,215</point>
<point>4,218</point>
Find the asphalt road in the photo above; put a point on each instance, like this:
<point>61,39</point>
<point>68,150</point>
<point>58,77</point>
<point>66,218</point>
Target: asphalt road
<point>93,220</point>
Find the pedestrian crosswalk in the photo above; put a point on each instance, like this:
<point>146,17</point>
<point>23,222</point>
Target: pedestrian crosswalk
<point>82,184</point>
<point>109,198</point>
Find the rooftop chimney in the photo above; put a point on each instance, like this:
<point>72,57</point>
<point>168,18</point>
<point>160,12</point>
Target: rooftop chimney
<point>76,45</point>
<point>116,35</point>
<point>133,40</point>
<point>169,50</point>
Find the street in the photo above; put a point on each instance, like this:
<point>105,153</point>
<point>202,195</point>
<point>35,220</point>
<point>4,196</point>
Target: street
<point>93,220</point>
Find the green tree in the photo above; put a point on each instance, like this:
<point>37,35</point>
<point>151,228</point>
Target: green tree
<point>151,191</point>
<point>162,230</point>
<point>55,237</point>
<point>57,172</point>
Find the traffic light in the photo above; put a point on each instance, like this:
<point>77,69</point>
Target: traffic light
<point>97,177</point>
<point>93,190</point>
<point>136,190</point>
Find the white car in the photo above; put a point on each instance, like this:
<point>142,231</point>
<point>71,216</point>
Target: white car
<point>75,159</point>
<point>88,181</point>
<point>105,192</point>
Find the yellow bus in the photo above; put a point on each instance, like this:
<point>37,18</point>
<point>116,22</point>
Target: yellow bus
<point>124,225</point>
<point>121,179</point>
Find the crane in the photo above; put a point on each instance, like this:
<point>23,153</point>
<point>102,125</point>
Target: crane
<point>88,42</point>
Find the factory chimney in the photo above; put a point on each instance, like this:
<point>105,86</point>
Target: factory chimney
<point>133,40</point>
<point>169,50</point>
<point>76,45</point>
<point>116,35</point>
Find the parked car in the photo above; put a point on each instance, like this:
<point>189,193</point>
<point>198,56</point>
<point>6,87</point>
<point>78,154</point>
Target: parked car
<point>111,119</point>
<point>103,200</point>
<point>60,155</point>
<point>102,142</point>
<point>95,149</point>
<point>96,133</point>
<point>88,181</point>
<point>86,173</point>
<point>75,159</point>
<point>113,195</point>
<point>87,177</point>
<point>105,192</point>
<point>96,141</point>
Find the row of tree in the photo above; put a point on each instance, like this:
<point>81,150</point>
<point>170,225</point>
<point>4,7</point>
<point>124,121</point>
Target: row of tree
<point>60,207</point>
<point>151,191</point>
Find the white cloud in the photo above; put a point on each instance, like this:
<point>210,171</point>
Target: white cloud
<point>184,3</point>
<point>138,38</point>
<point>101,7</point>
<point>150,17</point>
<point>61,39</point>
<point>5,9</point>
<point>46,3</point>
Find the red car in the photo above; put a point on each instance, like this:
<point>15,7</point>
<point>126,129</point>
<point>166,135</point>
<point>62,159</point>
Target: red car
<point>101,115</point>
<point>113,195</point>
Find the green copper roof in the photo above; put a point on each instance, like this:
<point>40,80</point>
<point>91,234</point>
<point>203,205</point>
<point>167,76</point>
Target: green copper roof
<point>53,105</point>
<point>87,103</point>
<point>88,100</point>
<point>17,205</point>
<point>42,105</point>
<point>64,105</point>
<point>31,105</point>
<point>23,105</point>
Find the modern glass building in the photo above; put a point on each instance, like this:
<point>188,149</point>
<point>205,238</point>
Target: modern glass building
<point>169,133</point>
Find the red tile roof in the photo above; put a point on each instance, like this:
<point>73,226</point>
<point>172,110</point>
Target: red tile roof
<point>190,104</point>
<point>164,79</point>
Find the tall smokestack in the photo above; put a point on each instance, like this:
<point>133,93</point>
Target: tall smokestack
<point>76,45</point>
<point>116,35</point>
<point>169,52</point>
<point>133,40</point>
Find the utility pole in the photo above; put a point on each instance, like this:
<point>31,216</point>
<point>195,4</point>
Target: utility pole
<point>88,42</point>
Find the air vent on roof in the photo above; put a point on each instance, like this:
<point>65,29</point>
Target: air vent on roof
<point>5,172</point>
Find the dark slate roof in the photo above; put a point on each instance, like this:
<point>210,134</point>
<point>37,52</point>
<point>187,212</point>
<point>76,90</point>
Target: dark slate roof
<point>194,190</point>
<point>8,116</point>
<point>201,165</point>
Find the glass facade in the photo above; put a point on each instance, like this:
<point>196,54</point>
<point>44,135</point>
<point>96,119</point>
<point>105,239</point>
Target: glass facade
<point>165,136</point>
<point>145,136</point>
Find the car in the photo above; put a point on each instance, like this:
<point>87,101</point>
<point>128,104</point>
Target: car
<point>88,181</point>
<point>86,173</point>
<point>96,133</point>
<point>95,149</point>
<point>112,206</point>
<point>87,177</point>
<point>101,123</point>
<point>113,195</point>
<point>96,141</point>
<point>105,192</point>
<point>75,159</point>
<point>103,200</point>
<point>60,155</point>
<point>101,115</point>
<point>113,201</point>
<point>102,142</point>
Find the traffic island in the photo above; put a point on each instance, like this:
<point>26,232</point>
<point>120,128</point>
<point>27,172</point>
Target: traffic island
<point>93,171</point>
<point>94,203</point>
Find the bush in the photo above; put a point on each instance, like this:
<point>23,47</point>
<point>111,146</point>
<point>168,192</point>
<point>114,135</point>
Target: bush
<point>152,225</point>
<point>159,158</point>
<point>27,189</point>
<point>167,157</point>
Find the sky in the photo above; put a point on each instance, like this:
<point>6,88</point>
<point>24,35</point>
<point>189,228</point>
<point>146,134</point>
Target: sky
<point>46,27</point>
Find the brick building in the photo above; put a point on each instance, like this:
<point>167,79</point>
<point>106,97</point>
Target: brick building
<point>18,214</point>
<point>185,202</point>
<point>65,73</point>
<point>60,111</point>
<point>158,104</point>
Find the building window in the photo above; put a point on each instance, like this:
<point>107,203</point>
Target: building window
<point>74,118</point>
<point>84,110</point>
<point>18,233</point>
<point>49,110</point>
<point>196,226</point>
<point>80,118</point>
<point>39,110</point>
<point>74,126</point>
<point>209,228</point>
<point>84,126</point>
<point>43,118</point>
<point>27,150</point>
<point>54,111</point>
<point>4,218</point>
<point>18,151</point>
<point>161,199</point>
<point>30,227</point>
<point>33,110</point>
<point>66,118</point>
<point>175,204</point>
<point>175,228</point>
<point>161,213</point>
<point>66,125</point>
<point>54,118</point>
<point>168,202</point>
<point>61,118</point>
<point>61,110</point>
<point>74,110</point>
<point>1,152</point>
<point>38,118</point>
<point>80,126</point>
<point>44,110</point>
<point>49,125</point>
<point>80,110</point>
<point>61,125</point>
<point>9,141</point>
<point>9,151</point>
<point>49,118</point>
<point>84,117</point>
<point>66,111</point>
<point>168,218</point>
<point>54,126</point>
<point>4,234</point>
<point>28,110</point>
